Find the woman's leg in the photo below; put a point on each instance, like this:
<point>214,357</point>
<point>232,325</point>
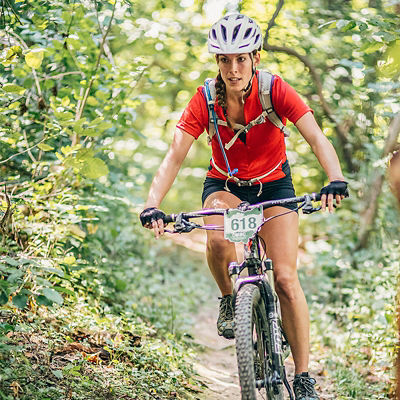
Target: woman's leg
<point>220,252</point>
<point>281,238</point>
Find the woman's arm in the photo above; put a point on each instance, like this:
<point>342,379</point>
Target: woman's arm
<point>167,172</point>
<point>323,150</point>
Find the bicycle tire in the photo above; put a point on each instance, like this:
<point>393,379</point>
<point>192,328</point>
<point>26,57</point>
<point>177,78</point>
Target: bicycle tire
<point>250,323</point>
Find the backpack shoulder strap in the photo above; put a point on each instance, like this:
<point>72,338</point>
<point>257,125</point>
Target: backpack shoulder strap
<point>265,84</point>
<point>210,95</point>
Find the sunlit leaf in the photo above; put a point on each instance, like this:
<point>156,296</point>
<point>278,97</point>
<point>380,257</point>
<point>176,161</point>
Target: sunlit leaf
<point>34,58</point>
<point>75,230</point>
<point>369,48</point>
<point>69,260</point>
<point>12,88</point>
<point>94,168</point>
<point>45,147</point>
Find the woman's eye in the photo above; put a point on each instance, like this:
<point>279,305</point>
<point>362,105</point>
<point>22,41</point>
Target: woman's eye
<point>241,59</point>
<point>224,60</point>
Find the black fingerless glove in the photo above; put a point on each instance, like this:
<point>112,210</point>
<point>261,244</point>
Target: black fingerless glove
<point>336,187</point>
<point>151,214</point>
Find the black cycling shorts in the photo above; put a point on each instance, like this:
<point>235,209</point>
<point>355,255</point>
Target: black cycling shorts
<point>275,190</point>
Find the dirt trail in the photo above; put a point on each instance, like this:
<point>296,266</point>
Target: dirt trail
<point>216,364</point>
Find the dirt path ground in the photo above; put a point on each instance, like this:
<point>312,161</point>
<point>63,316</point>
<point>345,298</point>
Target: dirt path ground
<point>216,364</point>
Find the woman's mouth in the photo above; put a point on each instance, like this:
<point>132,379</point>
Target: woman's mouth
<point>234,80</point>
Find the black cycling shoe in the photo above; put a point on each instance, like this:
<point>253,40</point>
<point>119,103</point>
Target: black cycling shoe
<point>303,386</point>
<point>225,318</point>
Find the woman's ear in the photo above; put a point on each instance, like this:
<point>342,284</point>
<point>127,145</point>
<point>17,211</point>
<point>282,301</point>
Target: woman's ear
<point>257,59</point>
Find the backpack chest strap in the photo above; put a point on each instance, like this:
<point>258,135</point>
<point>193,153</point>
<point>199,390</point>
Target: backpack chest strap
<point>257,121</point>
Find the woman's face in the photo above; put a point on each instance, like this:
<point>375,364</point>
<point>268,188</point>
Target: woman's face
<point>236,69</point>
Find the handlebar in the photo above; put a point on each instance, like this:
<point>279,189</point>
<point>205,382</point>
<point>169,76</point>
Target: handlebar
<point>306,199</point>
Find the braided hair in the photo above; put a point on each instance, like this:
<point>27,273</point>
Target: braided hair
<point>220,89</point>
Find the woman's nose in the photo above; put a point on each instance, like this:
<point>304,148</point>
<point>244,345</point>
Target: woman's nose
<point>234,66</point>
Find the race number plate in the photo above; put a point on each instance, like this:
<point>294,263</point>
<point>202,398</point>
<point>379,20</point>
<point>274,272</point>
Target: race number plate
<point>240,226</point>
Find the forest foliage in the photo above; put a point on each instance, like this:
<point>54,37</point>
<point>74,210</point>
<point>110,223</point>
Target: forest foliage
<point>90,92</point>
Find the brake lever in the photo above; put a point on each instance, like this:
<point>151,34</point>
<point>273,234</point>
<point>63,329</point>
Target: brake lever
<point>307,206</point>
<point>183,226</point>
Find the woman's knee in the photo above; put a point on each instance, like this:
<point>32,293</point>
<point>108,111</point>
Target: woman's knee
<point>287,286</point>
<point>218,245</point>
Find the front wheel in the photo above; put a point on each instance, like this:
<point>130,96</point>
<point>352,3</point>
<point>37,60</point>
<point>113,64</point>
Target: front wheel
<point>251,333</point>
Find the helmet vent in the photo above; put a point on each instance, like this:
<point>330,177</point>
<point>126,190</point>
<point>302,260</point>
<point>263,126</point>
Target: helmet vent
<point>235,32</point>
<point>223,31</point>
<point>247,33</point>
<point>214,34</point>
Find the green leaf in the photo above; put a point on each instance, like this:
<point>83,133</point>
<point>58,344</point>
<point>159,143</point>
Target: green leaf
<point>13,88</point>
<point>66,291</point>
<point>64,116</point>
<point>43,301</point>
<point>3,298</point>
<point>57,373</point>
<point>4,328</point>
<point>369,48</point>
<point>65,101</point>
<point>69,260</point>
<point>85,154</point>
<point>12,278</point>
<point>20,300</point>
<point>53,295</point>
<point>91,132</point>
<point>11,261</point>
<point>362,26</point>
<point>34,58</point>
<point>94,168</point>
<point>349,26</point>
<point>45,147</point>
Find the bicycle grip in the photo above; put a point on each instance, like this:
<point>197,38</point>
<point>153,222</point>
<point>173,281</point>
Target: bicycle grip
<point>169,218</point>
<point>317,196</point>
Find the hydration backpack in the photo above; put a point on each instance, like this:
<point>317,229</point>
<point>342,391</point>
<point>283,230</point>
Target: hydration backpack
<point>265,83</point>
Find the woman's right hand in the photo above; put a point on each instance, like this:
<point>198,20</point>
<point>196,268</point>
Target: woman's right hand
<point>153,218</point>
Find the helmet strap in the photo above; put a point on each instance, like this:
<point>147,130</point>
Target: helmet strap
<point>247,88</point>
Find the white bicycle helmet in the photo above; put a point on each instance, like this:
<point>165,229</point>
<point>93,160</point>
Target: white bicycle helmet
<point>233,34</point>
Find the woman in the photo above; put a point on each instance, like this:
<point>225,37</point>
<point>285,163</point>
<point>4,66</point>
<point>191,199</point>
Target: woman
<point>259,153</point>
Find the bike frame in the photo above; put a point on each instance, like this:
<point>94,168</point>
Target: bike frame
<point>260,273</point>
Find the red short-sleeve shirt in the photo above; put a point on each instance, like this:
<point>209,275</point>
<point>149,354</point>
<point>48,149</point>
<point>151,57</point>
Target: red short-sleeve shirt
<point>264,149</point>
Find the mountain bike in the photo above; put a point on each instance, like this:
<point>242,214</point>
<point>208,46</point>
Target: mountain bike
<point>261,344</point>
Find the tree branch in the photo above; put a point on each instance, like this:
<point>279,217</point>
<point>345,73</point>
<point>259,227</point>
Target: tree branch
<point>368,216</point>
<point>80,111</point>
<point>271,22</point>
<point>23,151</point>
<point>61,75</point>
<point>82,105</point>
<point>341,129</point>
